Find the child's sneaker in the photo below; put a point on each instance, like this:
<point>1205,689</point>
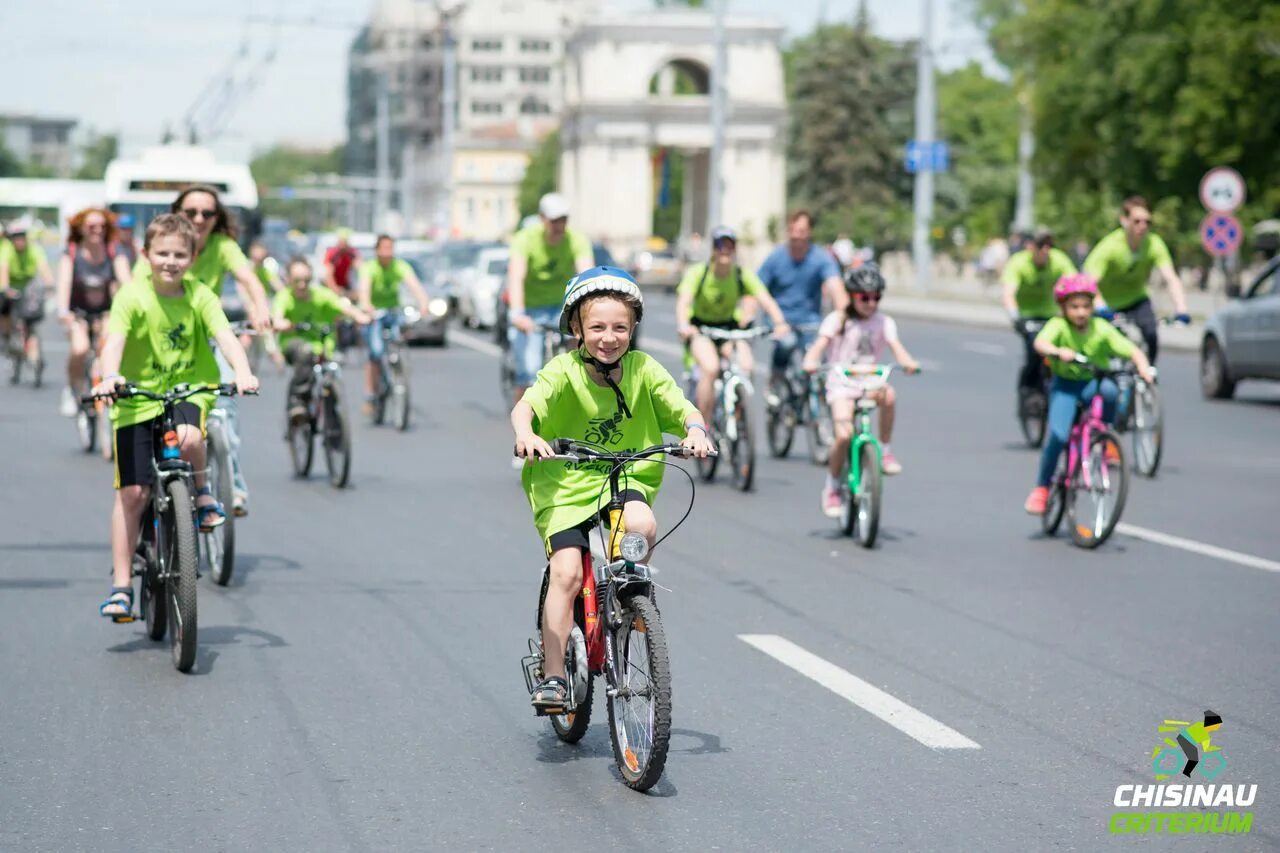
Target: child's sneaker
<point>832,506</point>
<point>1037,501</point>
<point>890,464</point>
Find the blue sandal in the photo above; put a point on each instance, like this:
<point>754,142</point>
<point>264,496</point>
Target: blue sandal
<point>121,596</point>
<point>211,516</point>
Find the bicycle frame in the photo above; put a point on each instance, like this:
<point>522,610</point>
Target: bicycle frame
<point>862,432</point>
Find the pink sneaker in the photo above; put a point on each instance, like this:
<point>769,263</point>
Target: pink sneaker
<point>890,464</point>
<point>832,505</point>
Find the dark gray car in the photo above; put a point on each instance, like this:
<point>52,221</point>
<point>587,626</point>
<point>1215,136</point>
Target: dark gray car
<point>1242,339</point>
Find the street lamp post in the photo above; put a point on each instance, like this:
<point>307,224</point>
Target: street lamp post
<point>926,112</point>
<point>448,119</point>
<point>719,90</point>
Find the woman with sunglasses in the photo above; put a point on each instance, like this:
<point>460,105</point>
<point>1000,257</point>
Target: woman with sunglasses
<point>89,274</point>
<point>1122,263</point>
<point>859,334</point>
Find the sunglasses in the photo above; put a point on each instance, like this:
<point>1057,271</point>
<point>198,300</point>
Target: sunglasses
<point>95,226</point>
<point>867,297</point>
<point>1137,221</point>
<point>199,212</point>
<point>721,245</point>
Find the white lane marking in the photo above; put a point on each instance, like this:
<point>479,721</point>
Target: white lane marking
<point>983,348</point>
<point>1204,549</point>
<point>661,346</point>
<point>471,342</point>
<point>875,701</point>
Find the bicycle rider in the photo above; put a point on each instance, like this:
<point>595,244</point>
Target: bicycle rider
<point>378,289</point>
<point>710,295</point>
<point>543,257</point>
<point>22,261</point>
<point>1028,281</point>
<point>89,274</point>
<point>798,274</point>
<point>1122,263</point>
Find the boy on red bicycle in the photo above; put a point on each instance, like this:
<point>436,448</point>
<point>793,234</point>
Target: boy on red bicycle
<point>1077,331</point>
<point>605,395</point>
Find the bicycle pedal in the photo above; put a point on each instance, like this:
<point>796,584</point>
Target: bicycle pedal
<point>122,620</point>
<point>539,711</point>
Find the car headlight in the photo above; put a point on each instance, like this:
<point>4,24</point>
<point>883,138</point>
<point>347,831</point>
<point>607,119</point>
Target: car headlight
<point>438,307</point>
<point>634,547</point>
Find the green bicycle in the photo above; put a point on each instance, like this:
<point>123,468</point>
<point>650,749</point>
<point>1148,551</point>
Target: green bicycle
<point>860,512</point>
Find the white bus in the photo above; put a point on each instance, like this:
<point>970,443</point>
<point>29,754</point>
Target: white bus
<point>147,186</point>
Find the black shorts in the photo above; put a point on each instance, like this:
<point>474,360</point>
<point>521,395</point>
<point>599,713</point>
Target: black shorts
<point>580,536</point>
<point>135,446</point>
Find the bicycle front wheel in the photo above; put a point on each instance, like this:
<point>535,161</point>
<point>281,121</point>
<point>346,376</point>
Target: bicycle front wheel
<point>1148,429</point>
<point>337,439</point>
<point>220,543</point>
<point>301,446</point>
<point>400,393</point>
<point>640,707</point>
<point>179,555</point>
<point>867,500</point>
<point>742,449</point>
<point>780,416</point>
<point>1100,484</point>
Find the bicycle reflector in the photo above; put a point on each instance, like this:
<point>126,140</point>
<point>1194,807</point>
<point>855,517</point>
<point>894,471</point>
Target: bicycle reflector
<point>634,547</point>
<point>171,448</point>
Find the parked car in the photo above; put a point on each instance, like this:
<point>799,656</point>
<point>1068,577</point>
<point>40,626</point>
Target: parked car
<point>433,327</point>
<point>1242,339</point>
<point>478,292</point>
<point>656,268</point>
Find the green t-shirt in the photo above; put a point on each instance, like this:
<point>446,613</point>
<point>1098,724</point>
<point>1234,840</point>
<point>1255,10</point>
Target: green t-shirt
<point>715,300</point>
<point>550,267</point>
<point>1035,284</point>
<point>264,276</point>
<point>166,343</point>
<point>568,404</point>
<point>323,308</point>
<point>221,255</point>
<point>23,265</point>
<point>384,282</point>
<point>1099,342</point>
<point>1123,274</point>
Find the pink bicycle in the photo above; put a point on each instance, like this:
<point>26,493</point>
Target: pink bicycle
<point>1091,480</point>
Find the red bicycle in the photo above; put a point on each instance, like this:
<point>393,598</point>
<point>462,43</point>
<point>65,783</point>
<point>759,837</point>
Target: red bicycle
<point>1091,480</point>
<point>617,631</point>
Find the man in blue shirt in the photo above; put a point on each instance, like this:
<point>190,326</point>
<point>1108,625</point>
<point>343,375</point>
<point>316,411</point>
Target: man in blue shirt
<point>797,273</point>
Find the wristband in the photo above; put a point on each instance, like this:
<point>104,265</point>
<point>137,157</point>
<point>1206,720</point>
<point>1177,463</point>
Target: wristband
<point>112,376</point>
<point>702,427</point>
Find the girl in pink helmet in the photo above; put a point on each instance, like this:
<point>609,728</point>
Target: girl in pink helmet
<point>1076,331</point>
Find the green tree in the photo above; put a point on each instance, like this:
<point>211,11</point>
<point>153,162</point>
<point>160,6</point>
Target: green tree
<point>851,95</point>
<point>541,176</point>
<point>97,153</point>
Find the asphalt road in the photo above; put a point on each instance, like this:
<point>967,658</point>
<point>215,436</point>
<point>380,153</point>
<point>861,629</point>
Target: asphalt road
<point>358,685</point>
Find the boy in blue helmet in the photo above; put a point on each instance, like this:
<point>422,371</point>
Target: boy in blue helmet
<point>605,394</point>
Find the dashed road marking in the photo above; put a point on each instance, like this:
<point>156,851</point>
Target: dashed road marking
<point>1202,548</point>
<point>982,348</point>
<point>871,699</point>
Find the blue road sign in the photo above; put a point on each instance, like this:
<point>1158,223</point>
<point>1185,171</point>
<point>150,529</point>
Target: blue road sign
<point>927,157</point>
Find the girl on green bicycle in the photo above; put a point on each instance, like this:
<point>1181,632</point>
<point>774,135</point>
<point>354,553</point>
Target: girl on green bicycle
<point>605,395</point>
<point>858,334</point>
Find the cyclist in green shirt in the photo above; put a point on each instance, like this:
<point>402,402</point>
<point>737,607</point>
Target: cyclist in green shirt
<point>304,302</point>
<point>265,267</point>
<point>1028,280</point>
<point>22,261</point>
<point>710,295</point>
<point>378,289</point>
<point>543,258</point>
<point>1122,263</point>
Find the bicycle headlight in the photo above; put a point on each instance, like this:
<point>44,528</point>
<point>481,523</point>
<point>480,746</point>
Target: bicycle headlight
<point>634,547</point>
<point>438,307</point>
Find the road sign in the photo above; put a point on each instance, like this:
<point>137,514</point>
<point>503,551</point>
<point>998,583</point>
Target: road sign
<point>927,157</point>
<point>1222,190</point>
<point>1220,233</point>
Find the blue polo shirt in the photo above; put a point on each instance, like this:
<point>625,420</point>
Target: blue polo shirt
<point>797,285</point>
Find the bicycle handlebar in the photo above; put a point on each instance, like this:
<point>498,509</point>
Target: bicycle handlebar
<point>173,395</point>
<point>568,450</point>
<point>717,334</point>
<point>322,329</point>
<point>1103,372</point>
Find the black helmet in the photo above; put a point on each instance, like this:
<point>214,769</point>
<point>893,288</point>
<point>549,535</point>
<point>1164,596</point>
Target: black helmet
<point>864,279</point>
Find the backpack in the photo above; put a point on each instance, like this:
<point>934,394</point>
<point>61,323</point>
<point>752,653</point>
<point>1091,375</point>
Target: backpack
<point>706,270</point>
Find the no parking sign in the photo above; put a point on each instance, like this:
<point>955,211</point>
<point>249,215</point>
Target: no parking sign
<point>1220,233</point>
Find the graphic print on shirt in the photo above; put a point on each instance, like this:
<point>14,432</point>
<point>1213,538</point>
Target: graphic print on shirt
<point>177,337</point>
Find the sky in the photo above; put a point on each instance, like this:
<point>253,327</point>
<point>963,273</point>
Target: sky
<point>133,67</point>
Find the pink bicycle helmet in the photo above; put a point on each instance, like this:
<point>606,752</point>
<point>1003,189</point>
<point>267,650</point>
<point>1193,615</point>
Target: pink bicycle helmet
<point>1070,285</point>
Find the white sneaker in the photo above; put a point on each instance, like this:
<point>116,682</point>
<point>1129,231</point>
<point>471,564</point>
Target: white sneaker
<point>68,407</point>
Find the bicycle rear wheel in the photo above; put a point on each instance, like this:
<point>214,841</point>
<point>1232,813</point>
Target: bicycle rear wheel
<point>337,439</point>
<point>400,392</point>
<point>179,556</point>
<point>571,727</point>
<point>780,418</point>
<point>87,428</point>
<point>1033,414</point>
<point>301,446</point>
<point>1148,429</point>
<point>821,433</point>
<point>507,376</point>
<point>742,449</point>
<point>220,543</point>
<point>150,586</point>
<point>1059,497</point>
<point>867,500</point>
<point>1094,509</point>
<point>640,709</point>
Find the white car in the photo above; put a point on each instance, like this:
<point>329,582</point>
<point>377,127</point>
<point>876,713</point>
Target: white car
<point>477,290</point>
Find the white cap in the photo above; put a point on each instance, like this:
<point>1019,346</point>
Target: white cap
<point>553,206</point>
<point>844,250</point>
